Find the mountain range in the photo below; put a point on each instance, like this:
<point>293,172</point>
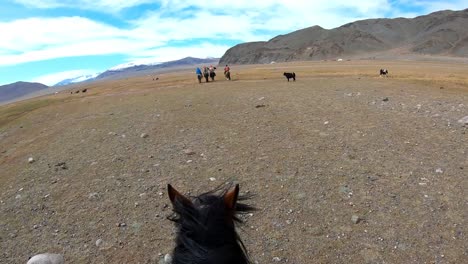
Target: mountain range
<point>440,33</point>
<point>10,92</point>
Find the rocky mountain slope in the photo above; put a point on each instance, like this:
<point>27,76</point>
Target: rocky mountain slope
<point>439,33</point>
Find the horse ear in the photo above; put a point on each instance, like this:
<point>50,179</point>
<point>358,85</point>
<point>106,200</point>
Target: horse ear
<point>230,198</point>
<point>174,195</point>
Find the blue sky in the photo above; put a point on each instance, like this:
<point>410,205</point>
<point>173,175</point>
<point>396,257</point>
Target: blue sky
<point>51,40</point>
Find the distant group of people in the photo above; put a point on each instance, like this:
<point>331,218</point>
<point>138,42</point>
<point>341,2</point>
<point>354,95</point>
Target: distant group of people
<point>209,72</point>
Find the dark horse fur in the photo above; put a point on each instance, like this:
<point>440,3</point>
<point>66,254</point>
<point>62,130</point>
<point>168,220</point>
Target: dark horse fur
<point>212,75</point>
<point>290,75</point>
<point>206,227</point>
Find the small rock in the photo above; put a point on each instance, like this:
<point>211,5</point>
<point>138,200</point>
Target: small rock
<point>144,135</point>
<point>385,99</point>
<point>212,179</point>
<point>31,160</point>
<point>276,259</point>
<point>439,170</point>
<point>99,242</point>
<point>355,219</point>
<point>93,195</point>
<point>463,121</point>
<point>189,152</point>
<point>62,165</point>
<point>326,123</point>
<point>168,258</point>
<point>46,258</point>
<point>260,105</point>
<point>189,161</point>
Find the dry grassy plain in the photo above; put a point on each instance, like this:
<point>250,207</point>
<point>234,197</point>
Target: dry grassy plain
<point>317,152</point>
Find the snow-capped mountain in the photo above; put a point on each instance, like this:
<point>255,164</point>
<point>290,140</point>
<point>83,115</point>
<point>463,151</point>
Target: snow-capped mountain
<point>78,79</point>
<point>138,68</point>
<point>131,64</point>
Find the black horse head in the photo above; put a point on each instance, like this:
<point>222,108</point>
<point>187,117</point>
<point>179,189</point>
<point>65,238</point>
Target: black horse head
<point>206,227</point>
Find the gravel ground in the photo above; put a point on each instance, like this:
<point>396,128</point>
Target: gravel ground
<point>344,168</point>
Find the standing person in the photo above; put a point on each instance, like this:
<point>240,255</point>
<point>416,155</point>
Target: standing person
<point>199,74</point>
<point>206,73</point>
<point>227,72</point>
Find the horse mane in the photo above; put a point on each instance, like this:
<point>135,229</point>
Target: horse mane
<point>206,228</point>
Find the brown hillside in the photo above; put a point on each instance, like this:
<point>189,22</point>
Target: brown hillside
<point>439,33</point>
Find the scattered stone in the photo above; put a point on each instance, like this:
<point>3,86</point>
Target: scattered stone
<point>18,196</point>
<point>93,195</point>
<point>261,98</point>
<point>46,258</point>
<point>189,161</point>
<point>121,224</point>
<point>61,165</point>
<point>212,179</point>
<point>31,160</point>
<point>355,219</point>
<point>439,170</point>
<point>189,152</point>
<point>260,105</point>
<point>326,123</point>
<point>144,135</point>
<point>99,242</point>
<point>168,258</point>
<point>463,121</point>
<point>385,99</point>
<point>276,259</point>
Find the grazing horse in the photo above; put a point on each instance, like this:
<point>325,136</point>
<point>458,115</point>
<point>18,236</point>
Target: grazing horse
<point>206,73</point>
<point>212,73</point>
<point>206,227</point>
<point>227,75</point>
<point>290,75</point>
<point>383,72</point>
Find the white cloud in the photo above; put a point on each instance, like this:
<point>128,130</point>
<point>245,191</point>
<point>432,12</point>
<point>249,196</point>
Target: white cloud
<point>98,5</point>
<point>186,22</point>
<point>52,79</point>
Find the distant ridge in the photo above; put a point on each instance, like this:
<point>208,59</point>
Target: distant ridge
<point>442,33</point>
<point>10,92</point>
<point>148,69</point>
